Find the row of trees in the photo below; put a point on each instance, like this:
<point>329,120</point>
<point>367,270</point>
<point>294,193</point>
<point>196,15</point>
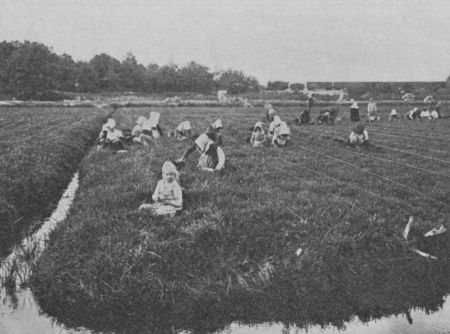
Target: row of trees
<point>32,70</point>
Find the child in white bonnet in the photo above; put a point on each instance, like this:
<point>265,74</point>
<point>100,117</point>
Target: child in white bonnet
<point>258,137</point>
<point>168,196</point>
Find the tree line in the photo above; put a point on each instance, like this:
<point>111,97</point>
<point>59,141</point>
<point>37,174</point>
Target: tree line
<point>31,70</point>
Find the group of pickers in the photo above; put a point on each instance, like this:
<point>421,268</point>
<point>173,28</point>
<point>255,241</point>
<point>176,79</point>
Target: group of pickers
<point>167,197</point>
<point>433,112</point>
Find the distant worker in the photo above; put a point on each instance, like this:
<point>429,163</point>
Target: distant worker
<point>200,144</point>
<point>280,132</point>
<point>393,115</point>
<point>372,114</point>
<point>412,114</point>
<point>270,112</point>
<point>311,101</point>
<point>327,116</point>
<point>151,131</point>
<point>305,117</point>
<point>212,157</point>
<point>168,196</point>
<point>434,114</point>
<point>354,111</point>
<point>183,130</point>
<point>258,137</point>
<point>110,137</point>
<point>137,130</point>
<point>438,107</point>
<point>358,136</point>
<point>425,114</point>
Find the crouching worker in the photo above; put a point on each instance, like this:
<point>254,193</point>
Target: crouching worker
<point>202,143</point>
<point>281,132</point>
<point>305,118</point>
<point>213,157</point>
<point>358,136</point>
<point>151,131</point>
<point>412,114</point>
<point>167,197</point>
<point>110,137</point>
<point>258,137</point>
<point>183,130</point>
<point>137,130</point>
<point>393,115</point>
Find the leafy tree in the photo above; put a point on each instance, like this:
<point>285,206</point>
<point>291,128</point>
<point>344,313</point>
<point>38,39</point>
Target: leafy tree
<point>195,78</point>
<point>132,74</point>
<point>167,78</point>
<point>236,82</point>
<point>86,78</point>
<point>6,50</point>
<point>151,78</point>
<point>107,72</point>
<point>30,70</point>
<point>64,77</point>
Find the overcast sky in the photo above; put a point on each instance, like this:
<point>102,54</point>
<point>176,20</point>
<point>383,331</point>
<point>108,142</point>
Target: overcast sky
<point>332,40</point>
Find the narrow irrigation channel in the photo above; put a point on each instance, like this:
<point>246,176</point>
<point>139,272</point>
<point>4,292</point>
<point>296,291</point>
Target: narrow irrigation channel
<point>19,312</point>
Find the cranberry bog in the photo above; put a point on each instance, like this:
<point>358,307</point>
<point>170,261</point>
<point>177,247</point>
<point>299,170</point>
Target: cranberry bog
<point>309,234</point>
<point>40,149</point>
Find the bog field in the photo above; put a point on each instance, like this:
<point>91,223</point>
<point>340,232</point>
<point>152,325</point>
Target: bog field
<point>309,234</point>
<point>39,151</point>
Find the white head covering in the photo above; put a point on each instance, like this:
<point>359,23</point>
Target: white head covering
<point>393,112</point>
<point>140,120</point>
<point>276,120</point>
<point>110,123</point>
<point>154,118</point>
<point>258,125</point>
<point>169,167</point>
<point>203,142</point>
<point>218,124</point>
<point>186,125</point>
<point>284,129</point>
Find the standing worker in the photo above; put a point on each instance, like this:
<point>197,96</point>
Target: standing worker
<point>372,111</point>
<point>354,111</point>
<point>311,100</point>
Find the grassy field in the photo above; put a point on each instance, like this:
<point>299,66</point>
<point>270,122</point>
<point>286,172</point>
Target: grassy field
<point>231,254</point>
<point>39,151</point>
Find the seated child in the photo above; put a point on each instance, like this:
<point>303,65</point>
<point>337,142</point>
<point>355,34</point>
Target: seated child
<point>358,136</point>
<point>167,196</point>
<point>258,137</point>
<point>434,114</point>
